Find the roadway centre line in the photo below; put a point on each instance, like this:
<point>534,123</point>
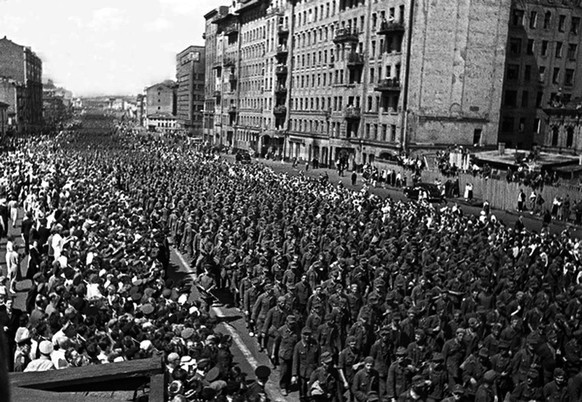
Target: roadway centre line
<point>272,391</point>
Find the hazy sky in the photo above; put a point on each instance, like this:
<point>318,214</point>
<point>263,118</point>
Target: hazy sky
<point>107,46</point>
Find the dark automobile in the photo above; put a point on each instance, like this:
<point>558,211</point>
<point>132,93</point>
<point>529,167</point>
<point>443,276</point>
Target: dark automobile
<point>243,157</point>
<point>432,190</point>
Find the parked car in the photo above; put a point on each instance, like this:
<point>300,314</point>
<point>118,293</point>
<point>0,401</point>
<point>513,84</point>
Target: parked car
<point>243,157</point>
<point>432,190</point>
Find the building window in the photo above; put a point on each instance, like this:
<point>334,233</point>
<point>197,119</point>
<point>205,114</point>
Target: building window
<point>515,46</point>
<point>569,77</point>
<point>547,20</point>
<point>521,127</point>
<point>561,23</point>
<point>530,47</point>
<point>527,73</point>
<point>542,73</point>
<point>517,18</point>
<point>544,48</point>
<point>510,98</point>
<point>555,135</point>
<point>575,25</point>
<point>569,137</point>
<point>513,71</point>
<point>393,133</point>
<point>572,47</point>
<point>559,46</point>
<point>524,99</point>
<point>533,19</point>
<point>507,124</point>
<point>539,98</point>
<point>477,136</point>
<point>556,76</point>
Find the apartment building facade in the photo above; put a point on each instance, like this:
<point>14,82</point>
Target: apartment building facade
<point>23,68</point>
<point>161,107</point>
<point>540,71</point>
<point>358,79</point>
<point>190,73</point>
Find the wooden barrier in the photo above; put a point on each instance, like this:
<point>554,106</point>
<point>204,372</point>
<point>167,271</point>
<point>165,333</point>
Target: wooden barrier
<point>120,376</point>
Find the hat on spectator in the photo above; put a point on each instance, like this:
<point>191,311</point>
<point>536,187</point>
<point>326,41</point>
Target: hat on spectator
<point>213,374</point>
<point>401,351</point>
<point>187,333</point>
<point>373,397</point>
<point>438,357</point>
<point>173,357</point>
<point>187,361</point>
<point>483,352</point>
<point>46,348</point>
<point>306,331</point>
<point>262,372</point>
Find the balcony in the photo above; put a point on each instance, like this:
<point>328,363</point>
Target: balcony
<point>217,94</point>
<point>344,35</point>
<point>232,78</point>
<point>281,70</point>
<point>281,109</point>
<point>355,59</point>
<point>229,62</point>
<point>217,64</point>
<point>275,11</point>
<point>388,85</point>
<point>283,29</point>
<point>231,29</point>
<point>280,90</point>
<point>231,109</point>
<point>282,51</point>
<point>352,113</point>
<point>388,28</point>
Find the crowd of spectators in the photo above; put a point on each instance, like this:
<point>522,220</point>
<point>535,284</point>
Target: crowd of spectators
<point>88,281</point>
<point>352,296</point>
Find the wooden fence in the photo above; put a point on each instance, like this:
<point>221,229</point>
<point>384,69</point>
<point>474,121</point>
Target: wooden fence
<point>500,194</point>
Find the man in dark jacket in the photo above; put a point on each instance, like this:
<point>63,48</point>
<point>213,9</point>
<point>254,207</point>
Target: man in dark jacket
<point>305,361</point>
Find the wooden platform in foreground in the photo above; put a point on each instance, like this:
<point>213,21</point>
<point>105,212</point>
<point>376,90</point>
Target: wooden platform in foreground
<point>120,376</point>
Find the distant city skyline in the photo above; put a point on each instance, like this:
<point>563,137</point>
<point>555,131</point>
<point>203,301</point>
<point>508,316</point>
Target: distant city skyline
<point>106,48</point>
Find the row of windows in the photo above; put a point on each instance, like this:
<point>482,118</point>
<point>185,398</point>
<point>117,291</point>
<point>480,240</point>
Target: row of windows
<point>515,48</point>
<point>566,78</point>
<point>545,20</point>
<point>253,51</point>
<point>341,76</point>
<point>374,104</point>
<point>372,131</point>
<point>316,13</point>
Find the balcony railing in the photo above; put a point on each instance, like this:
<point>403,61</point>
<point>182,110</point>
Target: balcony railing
<point>283,29</point>
<point>282,50</point>
<point>345,35</point>
<point>281,109</point>
<point>232,78</point>
<point>231,109</point>
<point>216,94</point>
<point>281,70</point>
<point>387,28</point>
<point>229,62</point>
<point>388,85</point>
<point>355,59</point>
<point>352,112</point>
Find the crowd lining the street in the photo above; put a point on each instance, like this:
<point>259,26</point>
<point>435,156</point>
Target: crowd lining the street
<point>353,297</point>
